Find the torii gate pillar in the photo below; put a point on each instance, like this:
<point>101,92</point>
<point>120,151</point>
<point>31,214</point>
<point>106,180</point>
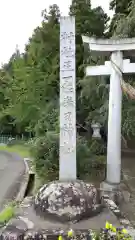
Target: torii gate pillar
<point>116,49</point>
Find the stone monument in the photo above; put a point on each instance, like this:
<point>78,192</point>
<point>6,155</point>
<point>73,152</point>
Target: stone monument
<point>67,151</point>
<point>116,49</point>
<point>67,199</point>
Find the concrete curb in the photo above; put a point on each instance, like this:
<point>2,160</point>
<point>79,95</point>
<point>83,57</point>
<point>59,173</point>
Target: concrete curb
<point>24,184</point>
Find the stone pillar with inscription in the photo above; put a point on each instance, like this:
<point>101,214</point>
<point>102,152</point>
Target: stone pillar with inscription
<point>55,197</point>
<point>67,151</point>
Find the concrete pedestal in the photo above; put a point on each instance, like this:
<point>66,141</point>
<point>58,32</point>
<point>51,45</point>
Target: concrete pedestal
<point>112,190</point>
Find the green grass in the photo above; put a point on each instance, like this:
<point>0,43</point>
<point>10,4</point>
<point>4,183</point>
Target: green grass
<point>7,213</point>
<point>22,150</point>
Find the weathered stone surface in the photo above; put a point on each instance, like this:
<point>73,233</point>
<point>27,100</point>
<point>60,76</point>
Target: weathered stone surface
<point>17,223</point>
<point>12,232</point>
<point>67,201</point>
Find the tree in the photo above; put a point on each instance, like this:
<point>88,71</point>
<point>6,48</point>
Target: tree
<point>36,74</point>
<point>122,9</point>
<point>88,19</point>
<point>90,91</point>
<point>125,27</point>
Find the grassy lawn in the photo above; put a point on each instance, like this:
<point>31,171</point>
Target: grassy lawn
<point>7,213</point>
<point>22,150</point>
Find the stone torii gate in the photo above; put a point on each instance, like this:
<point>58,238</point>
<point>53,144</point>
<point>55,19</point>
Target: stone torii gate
<point>116,49</point>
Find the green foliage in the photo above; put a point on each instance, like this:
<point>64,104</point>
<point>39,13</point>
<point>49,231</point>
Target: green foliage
<point>21,149</point>
<point>97,147</point>
<point>125,27</point>
<point>7,213</point>
<point>88,19</point>
<point>88,162</point>
<point>121,7</point>
<point>46,154</point>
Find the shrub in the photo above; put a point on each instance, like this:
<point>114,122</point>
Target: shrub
<point>88,163</point>
<point>46,155</point>
<point>97,147</point>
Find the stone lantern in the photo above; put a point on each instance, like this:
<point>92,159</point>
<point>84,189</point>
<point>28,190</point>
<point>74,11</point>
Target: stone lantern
<point>96,130</point>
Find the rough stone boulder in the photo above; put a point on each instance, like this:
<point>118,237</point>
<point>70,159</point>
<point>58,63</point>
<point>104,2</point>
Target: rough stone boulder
<point>67,201</point>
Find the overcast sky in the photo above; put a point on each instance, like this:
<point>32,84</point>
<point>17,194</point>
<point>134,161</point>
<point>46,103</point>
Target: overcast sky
<point>18,18</point>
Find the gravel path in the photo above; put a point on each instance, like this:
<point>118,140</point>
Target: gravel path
<point>12,169</point>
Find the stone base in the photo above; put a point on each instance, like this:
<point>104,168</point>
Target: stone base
<point>67,201</point>
<point>112,190</point>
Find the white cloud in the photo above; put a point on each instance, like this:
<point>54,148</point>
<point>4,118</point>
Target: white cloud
<point>19,18</point>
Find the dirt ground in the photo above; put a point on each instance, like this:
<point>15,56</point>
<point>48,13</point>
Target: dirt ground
<point>128,172</point>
